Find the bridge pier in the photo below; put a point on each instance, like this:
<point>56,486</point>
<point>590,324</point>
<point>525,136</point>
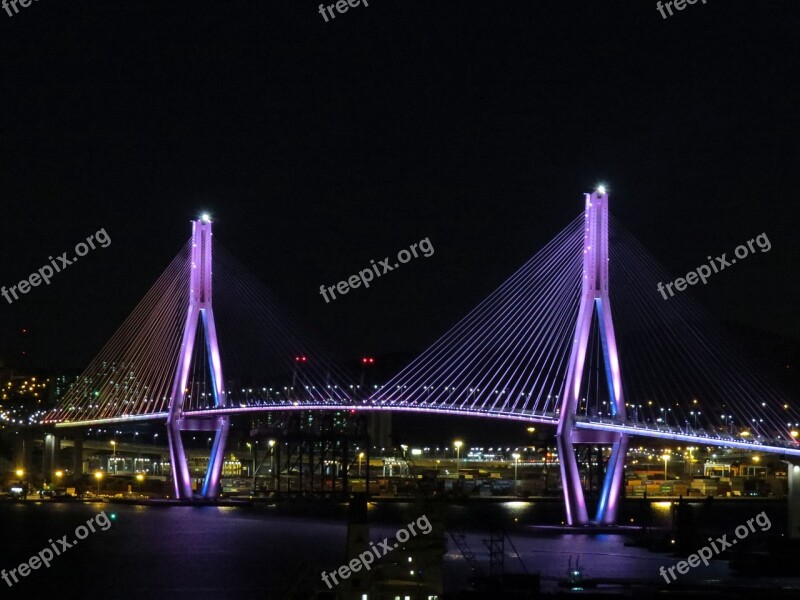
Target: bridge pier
<point>23,451</point>
<point>77,454</point>
<point>200,307</point>
<point>50,452</point>
<point>574,500</point>
<point>793,500</point>
<point>594,299</point>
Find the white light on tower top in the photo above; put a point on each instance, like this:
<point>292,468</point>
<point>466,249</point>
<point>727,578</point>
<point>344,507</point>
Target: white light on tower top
<point>205,217</point>
<point>601,189</point>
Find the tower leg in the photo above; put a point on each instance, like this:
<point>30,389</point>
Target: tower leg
<point>181,479</point>
<point>571,481</point>
<point>612,485</point>
<point>215,461</point>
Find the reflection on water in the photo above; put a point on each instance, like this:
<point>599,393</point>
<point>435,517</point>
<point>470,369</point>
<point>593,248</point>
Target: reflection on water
<point>258,552</point>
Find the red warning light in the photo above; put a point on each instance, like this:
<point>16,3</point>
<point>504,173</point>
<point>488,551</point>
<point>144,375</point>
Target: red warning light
<point>367,360</point>
<point>300,359</point>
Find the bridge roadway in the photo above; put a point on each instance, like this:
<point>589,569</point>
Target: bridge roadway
<point>662,432</point>
<point>126,449</point>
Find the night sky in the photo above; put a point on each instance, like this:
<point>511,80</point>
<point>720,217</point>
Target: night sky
<point>319,146</point>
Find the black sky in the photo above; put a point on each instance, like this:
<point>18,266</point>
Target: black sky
<point>319,146</point>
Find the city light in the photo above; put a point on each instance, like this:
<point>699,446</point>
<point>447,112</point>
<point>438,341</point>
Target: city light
<point>458,444</point>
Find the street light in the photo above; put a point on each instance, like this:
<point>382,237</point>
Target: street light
<point>515,456</point>
<point>665,458</point>
<point>21,473</point>
<point>114,446</point>
<point>271,444</point>
<point>458,444</point>
<point>360,456</point>
<point>99,476</point>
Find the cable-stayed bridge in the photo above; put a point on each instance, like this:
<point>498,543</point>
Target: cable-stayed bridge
<point>208,341</point>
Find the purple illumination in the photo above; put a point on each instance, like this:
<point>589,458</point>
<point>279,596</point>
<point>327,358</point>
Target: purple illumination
<point>509,354</point>
<point>520,355</point>
<point>200,295</point>
<point>594,295</point>
<point>546,419</point>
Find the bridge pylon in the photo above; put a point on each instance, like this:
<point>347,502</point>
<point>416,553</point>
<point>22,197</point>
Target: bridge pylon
<point>594,298</point>
<point>200,307</point>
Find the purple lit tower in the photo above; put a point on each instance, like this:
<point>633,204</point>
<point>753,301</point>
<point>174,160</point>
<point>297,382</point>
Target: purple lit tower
<point>594,295</point>
<point>199,307</point>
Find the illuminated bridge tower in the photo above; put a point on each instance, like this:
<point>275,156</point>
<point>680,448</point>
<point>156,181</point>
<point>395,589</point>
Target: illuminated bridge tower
<point>594,297</point>
<point>199,307</point>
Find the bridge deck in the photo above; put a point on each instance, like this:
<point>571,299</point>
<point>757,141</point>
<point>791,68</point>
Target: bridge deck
<point>662,432</point>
